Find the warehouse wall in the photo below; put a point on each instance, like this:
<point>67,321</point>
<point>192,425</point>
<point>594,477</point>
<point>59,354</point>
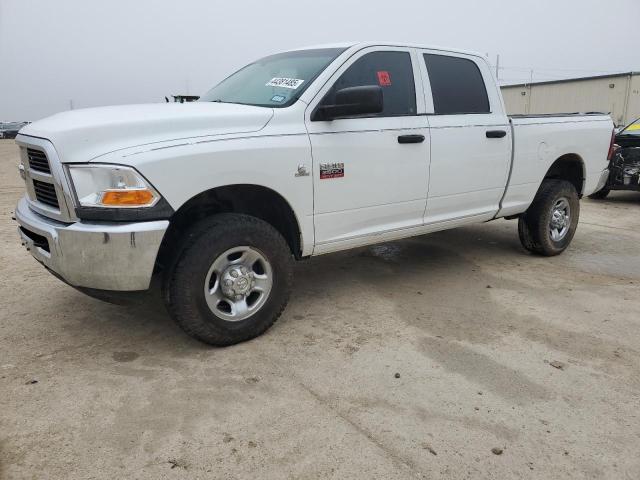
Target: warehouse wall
<point>634,100</point>
<point>516,99</point>
<point>612,95</point>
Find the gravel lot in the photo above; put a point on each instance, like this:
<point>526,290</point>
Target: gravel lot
<point>472,324</point>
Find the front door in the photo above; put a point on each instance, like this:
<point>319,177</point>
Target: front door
<point>367,180</point>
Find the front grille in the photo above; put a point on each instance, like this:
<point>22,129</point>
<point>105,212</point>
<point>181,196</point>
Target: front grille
<point>46,193</point>
<point>38,161</point>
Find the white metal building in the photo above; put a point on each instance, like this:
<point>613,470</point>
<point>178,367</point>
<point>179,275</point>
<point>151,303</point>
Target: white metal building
<point>617,94</point>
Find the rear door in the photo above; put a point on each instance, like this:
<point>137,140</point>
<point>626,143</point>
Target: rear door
<point>470,138</point>
<point>367,180</point>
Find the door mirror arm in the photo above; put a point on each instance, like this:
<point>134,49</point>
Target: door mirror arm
<point>330,112</point>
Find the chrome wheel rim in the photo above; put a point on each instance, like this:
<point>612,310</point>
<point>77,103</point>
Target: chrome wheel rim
<point>560,219</point>
<point>238,283</point>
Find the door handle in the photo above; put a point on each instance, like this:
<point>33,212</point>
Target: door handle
<point>496,133</point>
<point>411,139</point>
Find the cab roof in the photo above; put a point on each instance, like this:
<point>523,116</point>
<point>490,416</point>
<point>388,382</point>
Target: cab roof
<point>361,45</point>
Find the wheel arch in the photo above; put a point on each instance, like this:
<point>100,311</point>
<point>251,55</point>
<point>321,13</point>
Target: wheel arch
<point>249,199</point>
<point>569,167</point>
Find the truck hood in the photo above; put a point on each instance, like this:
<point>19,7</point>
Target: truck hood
<point>82,135</point>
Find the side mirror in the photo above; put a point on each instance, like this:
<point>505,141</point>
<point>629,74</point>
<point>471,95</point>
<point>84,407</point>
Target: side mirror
<point>350,102</point>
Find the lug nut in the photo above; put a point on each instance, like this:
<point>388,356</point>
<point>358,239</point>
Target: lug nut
<point>228,282</point>
<point>234,273</point>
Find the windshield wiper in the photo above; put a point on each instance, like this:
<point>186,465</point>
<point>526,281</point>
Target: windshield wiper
<point>217,100</point>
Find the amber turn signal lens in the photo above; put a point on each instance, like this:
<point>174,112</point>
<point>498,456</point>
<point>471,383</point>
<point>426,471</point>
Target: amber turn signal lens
<point>129,198</point>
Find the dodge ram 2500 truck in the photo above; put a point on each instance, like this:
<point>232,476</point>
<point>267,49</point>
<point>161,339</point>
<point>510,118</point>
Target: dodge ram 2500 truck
<point>300,153</point>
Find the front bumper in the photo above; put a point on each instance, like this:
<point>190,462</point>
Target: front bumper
<point>106,256</point>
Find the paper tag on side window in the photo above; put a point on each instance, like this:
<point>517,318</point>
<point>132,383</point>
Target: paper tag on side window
<point>284,82</point>
<point>384,79</point>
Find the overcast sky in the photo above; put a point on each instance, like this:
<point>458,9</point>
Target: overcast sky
<point>136,51</point>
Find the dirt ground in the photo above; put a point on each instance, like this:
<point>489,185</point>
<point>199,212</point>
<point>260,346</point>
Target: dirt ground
<point>472,324</point>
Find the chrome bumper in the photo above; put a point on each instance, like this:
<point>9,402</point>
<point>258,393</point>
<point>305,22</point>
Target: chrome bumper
<point>107,256</point>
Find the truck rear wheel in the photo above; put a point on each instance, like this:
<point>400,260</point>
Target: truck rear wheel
<point>231,281</point>
<point>550,222</point>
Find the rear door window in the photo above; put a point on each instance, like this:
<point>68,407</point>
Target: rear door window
<point>456,85</point>
<point>392,71</point>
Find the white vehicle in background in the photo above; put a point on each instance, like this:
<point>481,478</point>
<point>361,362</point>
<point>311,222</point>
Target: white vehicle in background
<point>301,153</point>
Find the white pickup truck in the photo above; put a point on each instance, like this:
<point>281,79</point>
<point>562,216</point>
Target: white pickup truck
<point>301,153</point>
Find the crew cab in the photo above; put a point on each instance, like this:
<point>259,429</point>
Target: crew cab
<point>301,153</point>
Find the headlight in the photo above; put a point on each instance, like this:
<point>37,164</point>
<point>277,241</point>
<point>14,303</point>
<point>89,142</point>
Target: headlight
<point>111,186</point>
<point>115,193</point>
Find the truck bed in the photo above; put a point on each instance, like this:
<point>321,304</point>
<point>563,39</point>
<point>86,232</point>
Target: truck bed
<point>551,115</point>
<point>539,140</point>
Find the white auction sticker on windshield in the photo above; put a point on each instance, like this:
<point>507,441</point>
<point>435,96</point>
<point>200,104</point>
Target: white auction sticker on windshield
<point>284,82</point>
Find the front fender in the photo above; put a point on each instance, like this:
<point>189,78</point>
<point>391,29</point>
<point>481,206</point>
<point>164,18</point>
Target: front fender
<point>182,171</point>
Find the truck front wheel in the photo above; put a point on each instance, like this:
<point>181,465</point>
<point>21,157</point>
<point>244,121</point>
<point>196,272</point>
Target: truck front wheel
<point>231,280</point>
<point>550,222</point>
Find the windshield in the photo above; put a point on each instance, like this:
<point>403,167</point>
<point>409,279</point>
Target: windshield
<point>274,81</point>
<point>633,129</point>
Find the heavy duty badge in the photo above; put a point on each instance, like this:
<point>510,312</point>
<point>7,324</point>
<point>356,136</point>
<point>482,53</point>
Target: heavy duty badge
<point>331,170</point>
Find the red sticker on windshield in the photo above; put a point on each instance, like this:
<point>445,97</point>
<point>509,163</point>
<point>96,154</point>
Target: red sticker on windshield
<point>384,79</point>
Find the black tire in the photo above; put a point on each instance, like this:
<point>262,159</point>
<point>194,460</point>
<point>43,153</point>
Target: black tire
<point>184,284</point>
<point>600,194</point>
<point>533,225</point>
